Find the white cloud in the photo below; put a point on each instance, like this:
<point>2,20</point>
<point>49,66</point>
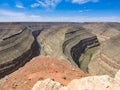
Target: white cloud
<point>35,5</point>
<point>10,13</point>
<point>19,6</point>
<point>46,3</point>
<point>83,1</point>
<point>83,11</point>
<point>34,16</point>
<point>53,3</point>
<point>9,16</point>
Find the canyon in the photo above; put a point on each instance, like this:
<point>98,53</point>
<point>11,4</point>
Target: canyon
<point>65,51</point>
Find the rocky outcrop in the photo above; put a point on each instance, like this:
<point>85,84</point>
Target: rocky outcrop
<point>40,68</point>
<point>47,84</point>
<point>107,58</point>
<point>77,41</point>
<point>17,46</point>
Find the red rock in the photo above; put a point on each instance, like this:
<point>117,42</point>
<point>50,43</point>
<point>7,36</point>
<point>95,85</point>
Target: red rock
<point>40,68</point>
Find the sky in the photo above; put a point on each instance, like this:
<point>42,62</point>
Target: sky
<point>59,11</point>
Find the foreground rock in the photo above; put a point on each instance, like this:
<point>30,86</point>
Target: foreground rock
<point>104,82</point>
<point>17,46</point>
<point>107,58</point>
<point>40,68</point>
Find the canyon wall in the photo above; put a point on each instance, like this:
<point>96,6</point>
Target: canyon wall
<point>17,46</point>
<point>66,42</point>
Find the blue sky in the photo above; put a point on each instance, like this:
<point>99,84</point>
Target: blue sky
<point>60,10</point>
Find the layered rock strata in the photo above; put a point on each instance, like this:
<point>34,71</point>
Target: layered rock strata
<point>107,58</point>
<point>17,46</point>
<point>77,41</point>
